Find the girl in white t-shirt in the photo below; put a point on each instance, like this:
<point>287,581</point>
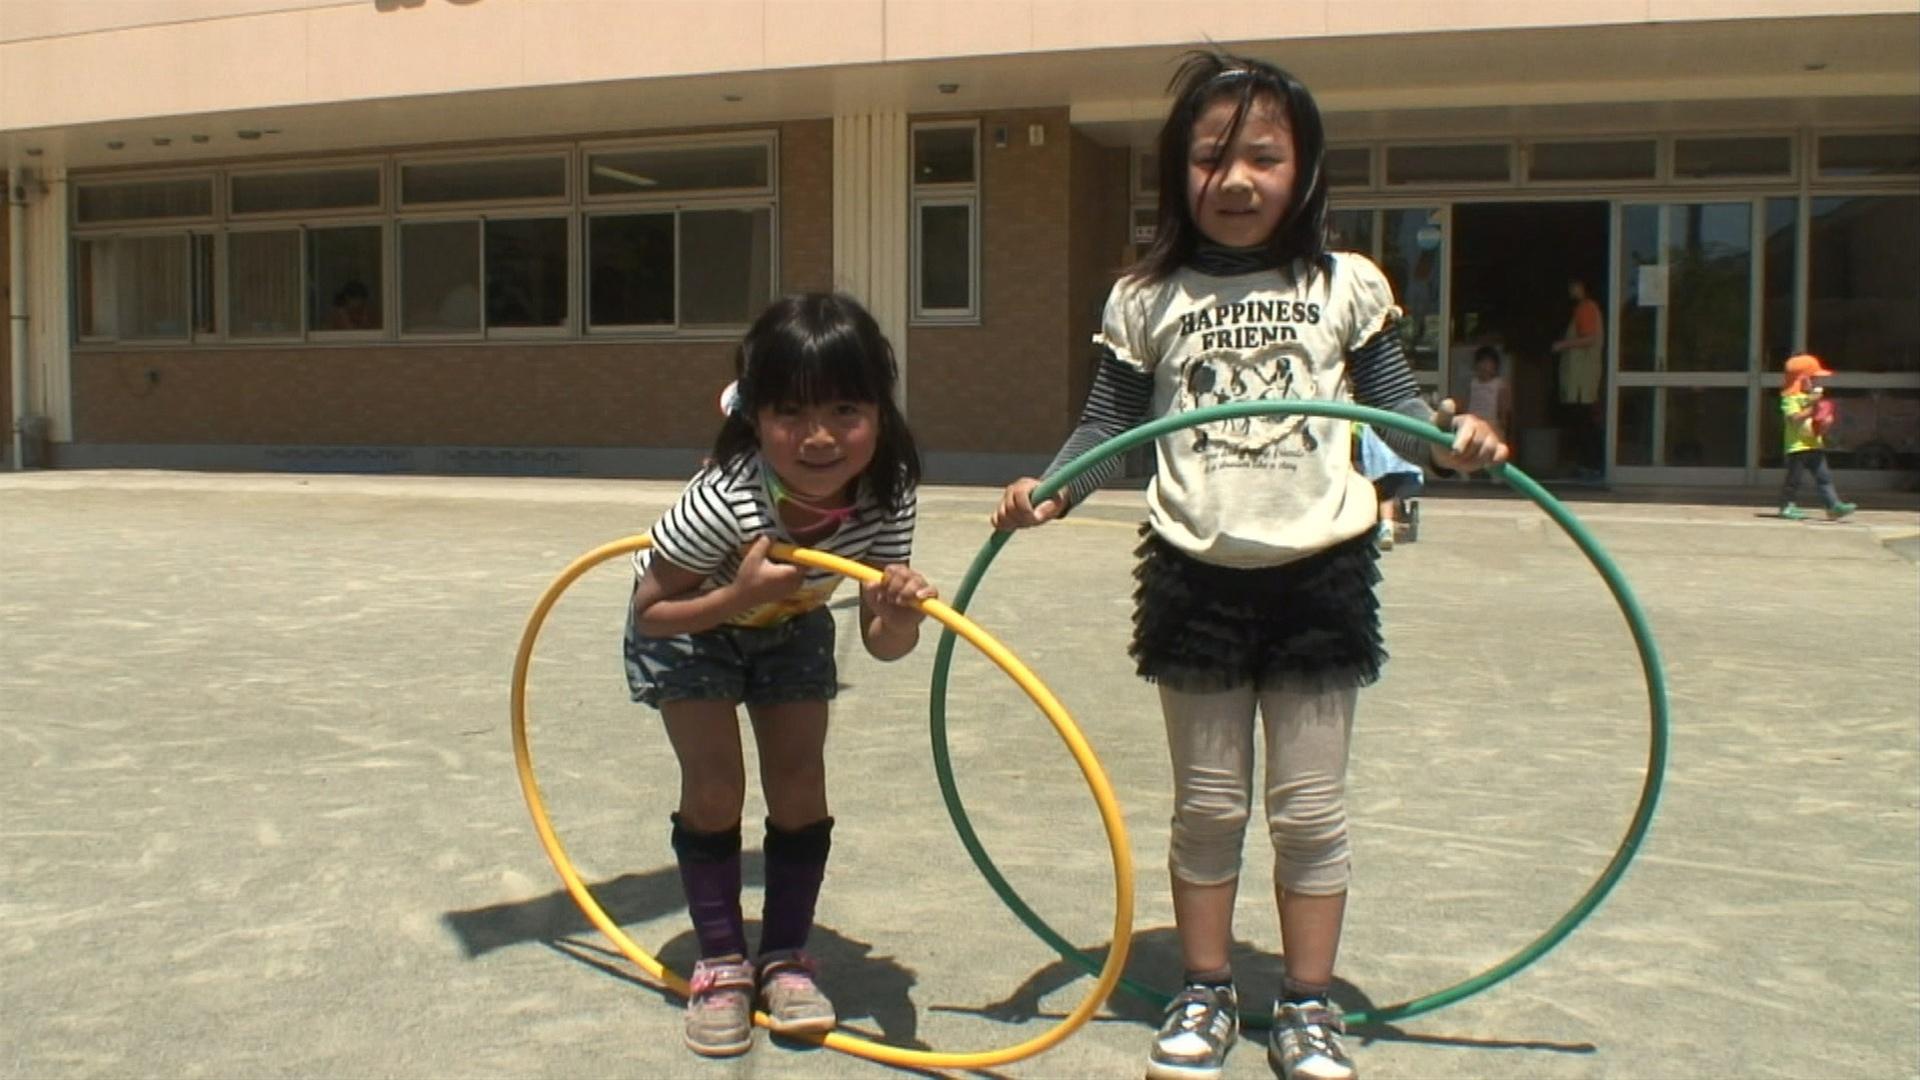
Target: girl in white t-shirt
<point>1257,570</point>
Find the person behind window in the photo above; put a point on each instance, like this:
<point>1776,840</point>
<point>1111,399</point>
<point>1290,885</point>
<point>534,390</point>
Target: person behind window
<point>352,308</point>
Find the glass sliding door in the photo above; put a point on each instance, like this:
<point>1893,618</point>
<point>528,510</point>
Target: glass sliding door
<point>1410,246</point>
<point>1686,348</point>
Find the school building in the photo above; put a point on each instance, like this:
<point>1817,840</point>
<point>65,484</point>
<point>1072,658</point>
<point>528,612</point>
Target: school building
<point>522,236</point>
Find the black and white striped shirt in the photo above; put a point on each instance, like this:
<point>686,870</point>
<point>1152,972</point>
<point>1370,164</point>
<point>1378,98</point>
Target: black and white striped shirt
<point>724,508</point>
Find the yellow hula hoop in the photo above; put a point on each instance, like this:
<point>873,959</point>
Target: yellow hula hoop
<point>1062,723</point>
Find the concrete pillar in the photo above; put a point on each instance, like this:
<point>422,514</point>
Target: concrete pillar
<point>870,164</point>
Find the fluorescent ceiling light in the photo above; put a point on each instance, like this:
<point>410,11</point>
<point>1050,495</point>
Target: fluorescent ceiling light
<point>624,176</point>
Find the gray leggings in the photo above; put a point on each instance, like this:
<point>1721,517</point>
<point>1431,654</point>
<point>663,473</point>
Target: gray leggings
<point>1210,737</point>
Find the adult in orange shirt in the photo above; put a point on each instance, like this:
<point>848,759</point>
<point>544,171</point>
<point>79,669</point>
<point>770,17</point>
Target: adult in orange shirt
<point>1582,355</point>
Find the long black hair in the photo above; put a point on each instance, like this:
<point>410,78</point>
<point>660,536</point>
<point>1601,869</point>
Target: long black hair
<point>1203,78</point>
<point>813,348</point>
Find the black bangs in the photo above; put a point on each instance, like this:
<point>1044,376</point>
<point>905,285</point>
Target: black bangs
<point>811,349</point>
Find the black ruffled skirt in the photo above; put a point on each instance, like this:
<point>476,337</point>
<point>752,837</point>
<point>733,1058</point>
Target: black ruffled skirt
<point>1312,625</point>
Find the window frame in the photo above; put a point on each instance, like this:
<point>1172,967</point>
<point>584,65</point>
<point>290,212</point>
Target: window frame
<point>399,271</point>
<point>767,140</point>
<point>673,208</point>
<point>382,168</point>
<point>188,275</point>
<point>398,164</point>
<point>1652,179</point>
<point>252,227</point>
<point>571,220</point>
<point>1819,180</point>
<point>1670,158</point>
<point>389,287</point>
<point>1383,164</point>
<point>591,206</point>
<point>216,201</point>
<point>1376,166</point>
<point>921,197</point>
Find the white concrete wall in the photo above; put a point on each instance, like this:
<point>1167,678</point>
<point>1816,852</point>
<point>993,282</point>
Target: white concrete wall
<point>64,62</point>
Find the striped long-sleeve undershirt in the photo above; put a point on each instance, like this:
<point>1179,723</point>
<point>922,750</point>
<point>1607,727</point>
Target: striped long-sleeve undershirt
<point>1122,395</point>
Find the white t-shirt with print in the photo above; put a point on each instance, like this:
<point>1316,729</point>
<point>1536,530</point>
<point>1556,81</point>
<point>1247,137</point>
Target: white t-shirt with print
<point>1264,490</point>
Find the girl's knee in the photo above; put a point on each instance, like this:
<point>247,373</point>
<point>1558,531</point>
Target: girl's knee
<point>796,792</point>
<point>1206,843</point>
<point>1311,852</point>
<point>712,802</point>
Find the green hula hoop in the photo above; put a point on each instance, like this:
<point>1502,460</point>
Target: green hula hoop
<point>1623,596</point>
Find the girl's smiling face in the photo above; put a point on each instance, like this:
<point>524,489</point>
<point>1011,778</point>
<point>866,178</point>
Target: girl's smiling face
<point>819,451</point>
<point>1238,192</point>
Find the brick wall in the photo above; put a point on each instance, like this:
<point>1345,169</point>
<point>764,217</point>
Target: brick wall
<point>1098,252</point>
<point>1002,386</point>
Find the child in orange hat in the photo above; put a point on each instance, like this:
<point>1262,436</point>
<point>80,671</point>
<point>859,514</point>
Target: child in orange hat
<point>1808,415</point>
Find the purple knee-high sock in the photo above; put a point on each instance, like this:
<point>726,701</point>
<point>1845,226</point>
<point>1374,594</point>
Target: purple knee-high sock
<point>796,862</point>
<point>710,874</point>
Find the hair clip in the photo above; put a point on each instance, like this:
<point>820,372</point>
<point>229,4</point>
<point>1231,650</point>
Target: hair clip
<point>730,404</point>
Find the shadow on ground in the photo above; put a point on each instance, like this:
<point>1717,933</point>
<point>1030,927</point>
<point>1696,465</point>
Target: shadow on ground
<point>1154,963</point>
<point>864,986</point>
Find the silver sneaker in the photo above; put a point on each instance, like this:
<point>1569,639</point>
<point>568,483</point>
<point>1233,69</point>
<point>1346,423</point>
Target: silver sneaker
<point>1305,1042</point>
<point>1198,1030</point>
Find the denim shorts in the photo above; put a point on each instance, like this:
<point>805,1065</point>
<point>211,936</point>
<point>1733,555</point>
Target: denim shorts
<point>789,661</point>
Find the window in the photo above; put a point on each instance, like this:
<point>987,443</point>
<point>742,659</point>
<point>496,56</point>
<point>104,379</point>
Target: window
<point>526,270</point>
<point>681,168</point>
<point>344,279</point>
<point>1742,156</point>
<point>697,268</point>
<point>669,235</point>
<point>143,200</point>
<point>1863,283</point>
<point>1629,159</point>
<point>440,277</point>
<point>1349,167</point>
<point>475,275</point>
<point>1350,230</point>
<point>206,264</point>
<point>1893,153</point>
<point>630,264</point>
<point>134,288</point>
<point>311,190</point>
<point>682,236</point>
<point>726,266</point>
<point>946,213</point>
<point>512,179</point>
<point>1457,164</point>
<point>263,284</point>
<point>1779,253</point>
